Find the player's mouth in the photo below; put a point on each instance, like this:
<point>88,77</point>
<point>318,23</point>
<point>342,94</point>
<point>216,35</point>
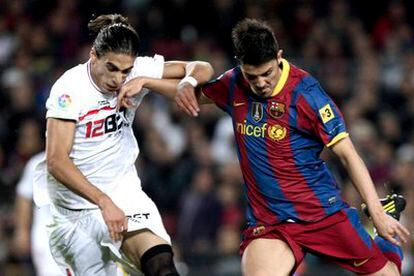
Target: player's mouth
<point>112,88</point>
<point>265,91</point>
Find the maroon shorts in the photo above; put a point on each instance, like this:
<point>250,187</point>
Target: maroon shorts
<point>339,238</point>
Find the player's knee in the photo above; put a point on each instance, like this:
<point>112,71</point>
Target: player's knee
<point>158,261</point>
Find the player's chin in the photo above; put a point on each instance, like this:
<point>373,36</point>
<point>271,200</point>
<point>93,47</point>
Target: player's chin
<point>263,92</point>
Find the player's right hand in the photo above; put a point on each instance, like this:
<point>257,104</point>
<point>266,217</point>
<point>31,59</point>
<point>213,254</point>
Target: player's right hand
<point>128,90</point>
<point>186,99</point>
<point>391,229</point>
<point>114,217</point>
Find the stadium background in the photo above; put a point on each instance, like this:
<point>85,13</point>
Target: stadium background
<point>362,55</point>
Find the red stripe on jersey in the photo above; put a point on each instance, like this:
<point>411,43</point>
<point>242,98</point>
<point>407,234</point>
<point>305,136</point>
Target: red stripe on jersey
<point>306,117</point>
<point>219,90</point>
<point>95,111</point>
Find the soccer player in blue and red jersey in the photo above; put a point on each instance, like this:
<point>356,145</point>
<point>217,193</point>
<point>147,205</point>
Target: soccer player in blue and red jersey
<point>282,120</point>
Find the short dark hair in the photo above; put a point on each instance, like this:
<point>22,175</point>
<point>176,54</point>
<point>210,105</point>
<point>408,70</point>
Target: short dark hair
<point>114,34</point>
<point>254,42</point>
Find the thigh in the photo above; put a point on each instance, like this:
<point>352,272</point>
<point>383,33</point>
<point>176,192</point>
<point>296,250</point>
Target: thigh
<point>136,243</point>
<point>75,243</point>
<point>267,257</point>
<point>390,269</point>
<point>141,211</point>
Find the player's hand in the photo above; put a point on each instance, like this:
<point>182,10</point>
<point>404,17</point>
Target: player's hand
<point>114,217</point>
<point>391,229</point>
<point>128,90</point>
<point>186,99</point>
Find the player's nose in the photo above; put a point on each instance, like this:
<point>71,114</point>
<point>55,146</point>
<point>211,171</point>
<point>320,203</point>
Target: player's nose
<point>261,82</point>
<point>117,79</point>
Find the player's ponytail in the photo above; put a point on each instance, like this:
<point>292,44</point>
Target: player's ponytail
<point>114,34</point>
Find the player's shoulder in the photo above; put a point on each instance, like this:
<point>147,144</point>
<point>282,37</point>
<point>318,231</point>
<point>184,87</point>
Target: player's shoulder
<point>233,72</point>
<point>71,82</point>
<point>306,83</point>
<point>73,76</point>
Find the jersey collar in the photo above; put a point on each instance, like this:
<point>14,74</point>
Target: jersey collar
<point>283,78</point>
<point>88,65</point>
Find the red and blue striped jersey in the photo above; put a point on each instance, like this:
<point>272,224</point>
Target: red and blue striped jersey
<point>279,140</point>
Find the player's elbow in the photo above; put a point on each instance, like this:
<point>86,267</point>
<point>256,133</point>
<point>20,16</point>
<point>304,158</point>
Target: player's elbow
<point>201,69</point>
<point>208,69</point>
<point>53,162</point>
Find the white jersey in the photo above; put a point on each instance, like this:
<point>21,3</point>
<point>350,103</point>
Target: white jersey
<point>104,146</point>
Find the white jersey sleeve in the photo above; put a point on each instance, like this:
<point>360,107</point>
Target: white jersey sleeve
<point>63,102</point>
<point>148,67</point>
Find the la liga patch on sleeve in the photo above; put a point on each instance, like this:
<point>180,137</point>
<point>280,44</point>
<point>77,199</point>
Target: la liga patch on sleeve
<point>326,113</point>
<point>64,101</point>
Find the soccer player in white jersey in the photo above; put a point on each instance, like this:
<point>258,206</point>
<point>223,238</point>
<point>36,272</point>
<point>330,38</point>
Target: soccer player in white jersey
<point>30,230</point>
<point>100,213</point>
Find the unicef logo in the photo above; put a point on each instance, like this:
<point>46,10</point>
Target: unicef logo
<point>64,100</point>
<point>276,132</point>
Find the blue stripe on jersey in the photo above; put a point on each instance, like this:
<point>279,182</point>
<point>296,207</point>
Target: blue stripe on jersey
<point>265,179</point>
<point>306,150</point>
<point>353,218</point>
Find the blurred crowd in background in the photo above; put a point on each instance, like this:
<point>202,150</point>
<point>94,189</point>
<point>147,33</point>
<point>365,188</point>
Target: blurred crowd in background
<point>362,55</point>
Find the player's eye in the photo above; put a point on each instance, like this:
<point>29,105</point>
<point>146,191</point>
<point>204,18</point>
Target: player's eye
<point>268,73</point>
<point>250,77</point>
<point>126,71</point>
<point>111,68</point>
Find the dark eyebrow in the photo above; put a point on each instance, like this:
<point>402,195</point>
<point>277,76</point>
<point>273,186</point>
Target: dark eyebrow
<point>267,72</point>
<point>126,70</point>
<point>255,76</point>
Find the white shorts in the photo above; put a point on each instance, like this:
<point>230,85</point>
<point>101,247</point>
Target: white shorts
<point>43,261</point>
<point>80,241</point>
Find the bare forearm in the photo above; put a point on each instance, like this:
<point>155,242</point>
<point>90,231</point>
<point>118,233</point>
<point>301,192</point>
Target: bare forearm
<point>361,179</point>
<point>69,175</point>
<point>199,70</point>
<point>165,87</point>
<point>358,174</point>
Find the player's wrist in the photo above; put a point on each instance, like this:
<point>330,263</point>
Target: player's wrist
<point>102,200</point>
<point>377,212</point>
<point>188,80</point>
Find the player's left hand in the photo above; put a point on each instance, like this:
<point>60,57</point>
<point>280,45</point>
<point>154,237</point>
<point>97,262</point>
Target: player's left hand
<point>391,229</point>
<point>128,90</point>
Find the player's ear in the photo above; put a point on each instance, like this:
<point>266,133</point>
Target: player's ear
<point>279,56</point>
<point>92,54</point>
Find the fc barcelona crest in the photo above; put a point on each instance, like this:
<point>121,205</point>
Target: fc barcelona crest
<point>257,111</point>
<point>276,109</point>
